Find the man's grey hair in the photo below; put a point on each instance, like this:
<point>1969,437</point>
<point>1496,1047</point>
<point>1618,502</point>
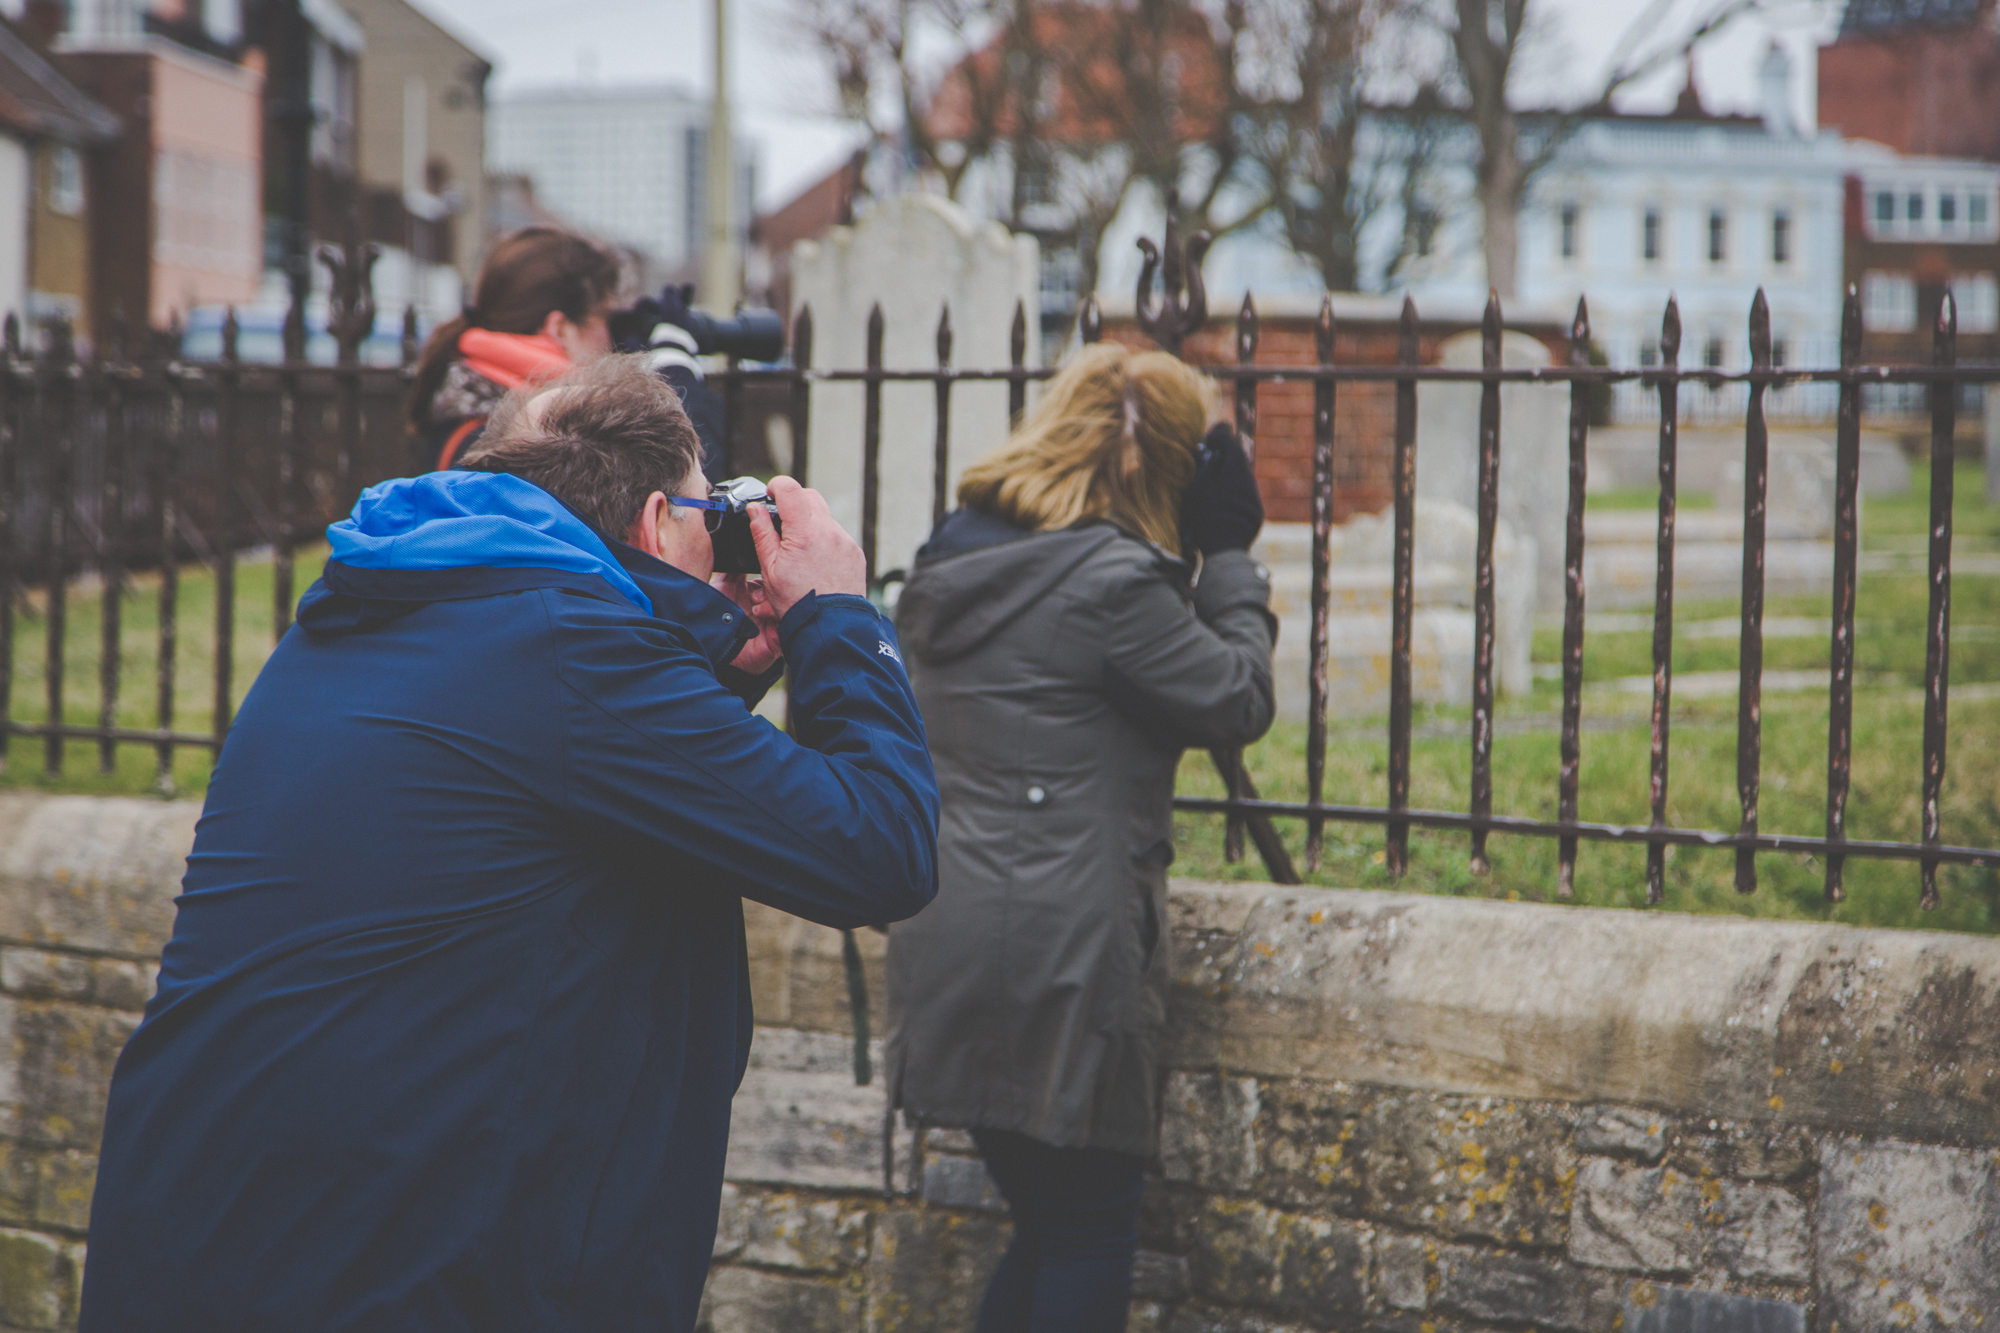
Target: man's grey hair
<point>609,433</point>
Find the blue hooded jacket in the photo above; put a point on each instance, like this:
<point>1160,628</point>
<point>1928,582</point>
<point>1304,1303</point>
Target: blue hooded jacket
<point>457,996</point>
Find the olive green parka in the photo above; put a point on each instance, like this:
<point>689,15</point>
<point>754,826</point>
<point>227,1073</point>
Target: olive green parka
<point>1060,676</point>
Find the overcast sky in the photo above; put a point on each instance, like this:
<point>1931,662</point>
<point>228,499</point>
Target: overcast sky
<point>782,96</point>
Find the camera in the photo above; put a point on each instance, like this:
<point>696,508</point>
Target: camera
<point>748,335</point>
<point>729,523</point>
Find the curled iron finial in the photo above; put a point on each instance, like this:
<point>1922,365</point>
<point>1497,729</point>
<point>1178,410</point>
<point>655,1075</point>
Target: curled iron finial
<point>350,315</point>
<point>1180,269</point>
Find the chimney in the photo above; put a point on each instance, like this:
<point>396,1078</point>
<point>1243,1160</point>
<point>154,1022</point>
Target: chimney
<point>1688,105</point>
<point>42,21</point>
<point>1774,93</point>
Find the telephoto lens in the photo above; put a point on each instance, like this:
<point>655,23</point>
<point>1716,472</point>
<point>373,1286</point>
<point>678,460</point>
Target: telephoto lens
<point>735,552</point>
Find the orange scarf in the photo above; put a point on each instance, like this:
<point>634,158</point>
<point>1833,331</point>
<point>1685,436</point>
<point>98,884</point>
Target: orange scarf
<point>512,359</point>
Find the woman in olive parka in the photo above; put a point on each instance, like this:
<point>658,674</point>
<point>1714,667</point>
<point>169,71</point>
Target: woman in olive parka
<point>1088,612</point>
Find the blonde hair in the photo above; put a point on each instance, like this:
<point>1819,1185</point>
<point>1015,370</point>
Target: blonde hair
<point>1113,437</point>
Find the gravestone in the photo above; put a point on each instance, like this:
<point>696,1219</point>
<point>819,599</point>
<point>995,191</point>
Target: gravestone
<point>913,256</point>
<point>1534,450</point>
<point>1359,613</point>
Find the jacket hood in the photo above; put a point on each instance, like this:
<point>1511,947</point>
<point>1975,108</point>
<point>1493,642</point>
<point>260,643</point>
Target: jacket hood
<point>467,520</point>
<point>977,573</point>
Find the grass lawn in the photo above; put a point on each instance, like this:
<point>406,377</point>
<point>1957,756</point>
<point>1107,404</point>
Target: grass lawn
<point>136,770</point>
<point>1887,765</point>
<point>1888,719</point>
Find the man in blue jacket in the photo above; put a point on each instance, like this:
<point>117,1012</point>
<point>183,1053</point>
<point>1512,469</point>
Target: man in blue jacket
<point>457,995</point>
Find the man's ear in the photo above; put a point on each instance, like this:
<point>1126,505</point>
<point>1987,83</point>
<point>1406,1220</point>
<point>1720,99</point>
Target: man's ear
<point>645,533</point>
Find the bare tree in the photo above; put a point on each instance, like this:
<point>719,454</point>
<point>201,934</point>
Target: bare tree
<point>1332,160</point>
<point>882,56</point>
<point>1148,93</point>
<point>1235,107</point>
<point>1485,35</point>
<point>1235,110</point>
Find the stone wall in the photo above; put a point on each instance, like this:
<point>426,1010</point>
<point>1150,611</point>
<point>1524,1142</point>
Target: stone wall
<point>86,904</point>
<point>1383,1112</point>
<point>1415,1115</point>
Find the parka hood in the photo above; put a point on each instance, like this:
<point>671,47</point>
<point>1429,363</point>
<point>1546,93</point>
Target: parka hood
<point>978,573</point>
<point>450,536</point>
<point>462,520</point>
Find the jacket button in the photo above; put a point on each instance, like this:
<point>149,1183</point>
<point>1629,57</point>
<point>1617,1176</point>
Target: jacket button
<point>1037,795</point>
<point>727,617</point>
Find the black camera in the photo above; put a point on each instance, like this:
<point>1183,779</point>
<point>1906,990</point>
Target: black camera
<point>729,523</point>
<point>748,335</point>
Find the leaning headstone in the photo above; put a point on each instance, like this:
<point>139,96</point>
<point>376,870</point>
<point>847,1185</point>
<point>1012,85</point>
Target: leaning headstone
<point>1361,558</point>
<point>1799,490</point>
<point>1534,450</point>
<point>913,256</point>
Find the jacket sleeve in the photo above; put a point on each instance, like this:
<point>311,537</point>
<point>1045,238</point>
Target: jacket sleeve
<point>1200,675</point>
<point>750,689</point>
<point>838,826</point>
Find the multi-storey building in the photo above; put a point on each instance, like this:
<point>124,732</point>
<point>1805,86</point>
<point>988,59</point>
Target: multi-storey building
<point>1626,210</point>
<point>629,164</point>
<point>421,157</point>
<point>178,219</point>
<point>1705,209</point>
<point>1917,227</point>
<point>1918,76</point>
<point>49,132</point>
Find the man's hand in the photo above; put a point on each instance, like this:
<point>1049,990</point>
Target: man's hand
<point>760,654</point>
<point>814,554</point>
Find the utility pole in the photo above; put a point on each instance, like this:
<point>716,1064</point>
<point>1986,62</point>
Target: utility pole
<point>721,274</point>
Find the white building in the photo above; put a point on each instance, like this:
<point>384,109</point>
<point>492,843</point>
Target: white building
<point>1635,210</point>
<point>628,164</point>
<point>1629,211</point>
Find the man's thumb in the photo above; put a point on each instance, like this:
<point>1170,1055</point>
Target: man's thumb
<point>763,533</point>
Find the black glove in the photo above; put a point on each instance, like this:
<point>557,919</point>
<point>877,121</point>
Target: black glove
<point>633,328</point>
<point>1222,511</point>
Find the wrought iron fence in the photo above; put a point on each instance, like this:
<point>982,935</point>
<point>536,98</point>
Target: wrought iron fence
<point>118,463</point>
<point>114,464</point>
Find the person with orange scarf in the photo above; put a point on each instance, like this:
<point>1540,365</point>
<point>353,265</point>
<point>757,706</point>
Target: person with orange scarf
<point>542,304</point>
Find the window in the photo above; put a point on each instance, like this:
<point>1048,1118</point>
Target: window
<point>1062,273</point>
<point>1888,302</point>
<point>1569,220</point>
<point>1947,210</point>
<point>1426,228</point>
<point>66,181</point>
<point>1711,353</point>
<point>1038,184</point>
<point>1781,237</point>
<point>1649,352</point>
<point>1885,207</point>
<point>1913,208</point>
<point>1778,353</point>
<point>1649,235</point>
<point>1975,210</point>
<point>1718,236</point>
<point>1978,297</point>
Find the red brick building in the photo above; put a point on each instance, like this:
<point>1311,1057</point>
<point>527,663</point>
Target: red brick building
<point>1915,227</point>
<point>1919,76</point>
